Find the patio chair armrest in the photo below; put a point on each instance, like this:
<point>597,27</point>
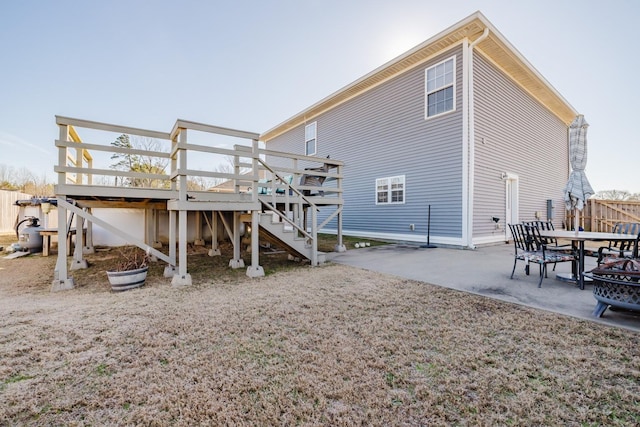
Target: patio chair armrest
<point>567,246</point>
<point>564,250</point>
<point>560,250</point>
<point>604,251</point>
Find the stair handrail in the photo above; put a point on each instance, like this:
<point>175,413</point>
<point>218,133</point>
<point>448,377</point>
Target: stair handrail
<point>289,186</point>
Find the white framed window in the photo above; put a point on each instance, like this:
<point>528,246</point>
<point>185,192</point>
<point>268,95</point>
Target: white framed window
<point>440,88</point>
<point>310,134</point>
<point>390,190</point>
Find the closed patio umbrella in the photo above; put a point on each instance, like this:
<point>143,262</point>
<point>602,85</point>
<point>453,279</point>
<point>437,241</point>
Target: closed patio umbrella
<point>578,189</point>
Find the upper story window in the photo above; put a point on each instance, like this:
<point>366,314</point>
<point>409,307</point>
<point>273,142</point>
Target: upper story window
<point>441,88</point>
<point>390,190</point>
<point>310,133</point>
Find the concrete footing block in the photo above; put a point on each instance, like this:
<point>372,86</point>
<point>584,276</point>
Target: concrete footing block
<point>178,280</point>
<point>62,285</point>
<point>236,263</point>
<point>257,271</point>
<point>78,264</point>
<point>169,271</point>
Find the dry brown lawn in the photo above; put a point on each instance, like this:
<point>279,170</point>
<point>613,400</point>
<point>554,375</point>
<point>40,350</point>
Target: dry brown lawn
<point>331,345</point>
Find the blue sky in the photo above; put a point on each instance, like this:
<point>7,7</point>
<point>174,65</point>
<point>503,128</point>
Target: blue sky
<point>252,64</point>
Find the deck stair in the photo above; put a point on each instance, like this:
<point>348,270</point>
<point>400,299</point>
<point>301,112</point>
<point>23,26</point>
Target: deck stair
<point>286,237</point>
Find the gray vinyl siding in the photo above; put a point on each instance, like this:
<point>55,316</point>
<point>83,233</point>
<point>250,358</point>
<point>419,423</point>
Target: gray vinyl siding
<point>514,133</point>
<point>383,133</point>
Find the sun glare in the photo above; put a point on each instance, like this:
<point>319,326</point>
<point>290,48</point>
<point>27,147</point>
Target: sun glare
<point>397,43</point>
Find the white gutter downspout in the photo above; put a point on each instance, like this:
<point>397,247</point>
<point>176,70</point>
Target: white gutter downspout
<point>469,126</point>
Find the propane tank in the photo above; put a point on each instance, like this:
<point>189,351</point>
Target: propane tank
<point>29,237</point>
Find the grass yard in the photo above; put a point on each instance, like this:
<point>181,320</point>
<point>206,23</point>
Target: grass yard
<point>331,345</point>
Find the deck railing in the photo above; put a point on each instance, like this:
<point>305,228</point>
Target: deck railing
<point>180,163</point>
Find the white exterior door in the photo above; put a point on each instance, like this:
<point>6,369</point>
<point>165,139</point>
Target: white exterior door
<point>511,197</point>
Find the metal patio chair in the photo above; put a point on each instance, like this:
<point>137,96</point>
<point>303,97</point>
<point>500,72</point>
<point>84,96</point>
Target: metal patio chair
<point>530,248</point>
<point>621,249</point>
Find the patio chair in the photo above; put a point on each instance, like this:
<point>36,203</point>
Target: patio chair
<point>266,187</point>
<point>529,248</point>
<point>311,180</point>
<point>550,242</point>
<point>621,249</point>
<point>544,225</point>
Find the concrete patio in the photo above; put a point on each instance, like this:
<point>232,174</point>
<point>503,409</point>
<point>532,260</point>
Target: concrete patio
<point>485,271</point>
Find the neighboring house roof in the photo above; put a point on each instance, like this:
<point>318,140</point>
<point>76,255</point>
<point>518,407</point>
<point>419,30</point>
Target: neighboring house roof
<point>495,47</point>
<point>228,186</point>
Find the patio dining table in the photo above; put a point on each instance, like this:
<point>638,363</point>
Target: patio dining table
<point>577,241</point>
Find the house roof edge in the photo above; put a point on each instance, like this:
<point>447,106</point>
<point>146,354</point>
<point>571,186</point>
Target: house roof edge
<point>470,28</point>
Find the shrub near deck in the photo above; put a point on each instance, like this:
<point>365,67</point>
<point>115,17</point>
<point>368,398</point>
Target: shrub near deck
<point>331,345</point>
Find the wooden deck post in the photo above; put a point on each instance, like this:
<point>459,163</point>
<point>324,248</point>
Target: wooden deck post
<point>87,243</point>
<point>78,262</point>
<point>61,281</point>
<point>182,278</point>
<point>215,249</point>
<point>236,262</point>
<point>169,270</point>
<point>255,270</point>
<point>340,247</point>
<point>199,241</point>
<point>314,234</point>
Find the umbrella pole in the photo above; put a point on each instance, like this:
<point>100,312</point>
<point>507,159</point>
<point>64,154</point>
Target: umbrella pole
<point>576,222</point>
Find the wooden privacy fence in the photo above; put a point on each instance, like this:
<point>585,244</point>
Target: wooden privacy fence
<point>602,215</point>
<point>8,209</point>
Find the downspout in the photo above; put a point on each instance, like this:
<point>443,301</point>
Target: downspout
<point>471,137</point>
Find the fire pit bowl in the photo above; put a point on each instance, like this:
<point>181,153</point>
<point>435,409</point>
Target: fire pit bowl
<point>617,285</point>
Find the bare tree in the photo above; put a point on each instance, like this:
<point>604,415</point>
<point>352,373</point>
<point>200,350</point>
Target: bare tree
<point>200,183</point>
<point>6,181</point>
<point>38,186</point>
<point>149,164</point>
<point>613,195</point>
<point>228,166</point>
<point>24,180</point>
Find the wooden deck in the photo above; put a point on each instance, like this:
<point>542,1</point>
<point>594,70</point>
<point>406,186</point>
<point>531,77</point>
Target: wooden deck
<point>178,172</point>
